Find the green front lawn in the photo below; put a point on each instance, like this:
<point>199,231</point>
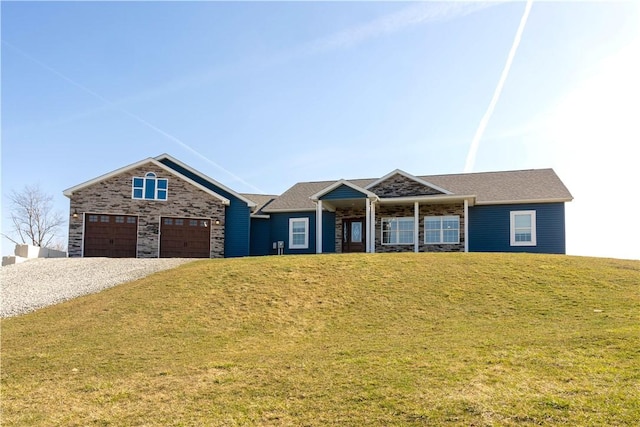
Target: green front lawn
<point>367,339</point>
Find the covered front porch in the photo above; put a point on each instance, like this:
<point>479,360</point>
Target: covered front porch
<point>367,223</point>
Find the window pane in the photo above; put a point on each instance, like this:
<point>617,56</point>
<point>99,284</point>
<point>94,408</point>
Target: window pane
<point>356,232</point>
<point>162,194</point>
<point>104,218</point>
<point>522,221</point>
<point>168,221</point>
<point>433,236</point>
<point>523,236</point>
<point>450,236</point>
<point>450,224</point>
<point>137,193</point>
<point>193,222</point>
<point>298,226</point>
<point>131,220</point>
<point>298,239</point>
<point>432,223</point>
<point>397,230</point>
<point>179,222</point>
<point>150,190</point>
<point>406,237</point>
<point>93,218</point>
<point>120,219</point>
<point>406,224</point>
<point>162,184</point>
<point>150,175</point>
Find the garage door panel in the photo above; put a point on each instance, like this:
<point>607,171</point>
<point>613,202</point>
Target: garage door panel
<point>113,236</point>
<point>185,238</point>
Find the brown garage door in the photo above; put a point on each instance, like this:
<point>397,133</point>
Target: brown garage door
<point>185,238</point>
<point>113,236</point>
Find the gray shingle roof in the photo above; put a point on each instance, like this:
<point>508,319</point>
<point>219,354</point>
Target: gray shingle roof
<point>261,201</point>
<point>542,185</point>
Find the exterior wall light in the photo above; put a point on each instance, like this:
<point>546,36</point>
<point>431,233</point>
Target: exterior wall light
<point>75,213</point>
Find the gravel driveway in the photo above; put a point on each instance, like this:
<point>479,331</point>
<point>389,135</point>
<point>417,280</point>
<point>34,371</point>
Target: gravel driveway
<point>41,282</point>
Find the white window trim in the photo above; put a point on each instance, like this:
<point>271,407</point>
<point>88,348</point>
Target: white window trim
<point>533,241</point>
<point>442,218</point>
<point>304,245</point>
<point>397,218</point>
<point>144,187</point>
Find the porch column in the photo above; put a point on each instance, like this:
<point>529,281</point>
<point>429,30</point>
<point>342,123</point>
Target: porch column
<point>372,233</point>
<point>319,227</point>
<point>416,226</point>
<point>367,227</point>
<point>466,225</point>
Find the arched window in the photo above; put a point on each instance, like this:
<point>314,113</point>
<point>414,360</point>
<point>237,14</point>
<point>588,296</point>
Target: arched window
<point>150,187</point>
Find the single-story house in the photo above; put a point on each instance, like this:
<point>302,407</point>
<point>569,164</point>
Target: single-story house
<point>161,207</point>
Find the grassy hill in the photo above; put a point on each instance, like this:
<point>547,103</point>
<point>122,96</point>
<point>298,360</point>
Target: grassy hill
<point>378,339</point>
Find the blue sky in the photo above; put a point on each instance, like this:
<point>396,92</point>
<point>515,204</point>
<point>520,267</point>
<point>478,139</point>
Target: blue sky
<point>260,95</point>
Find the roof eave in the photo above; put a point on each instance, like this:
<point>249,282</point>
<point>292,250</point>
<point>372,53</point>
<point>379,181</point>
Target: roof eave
<point>434,198</point>
<point>525,201</point>
<point>288,210</point>
<point>249,203</point>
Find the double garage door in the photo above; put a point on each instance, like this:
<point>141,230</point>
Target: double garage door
<point>116,236</point>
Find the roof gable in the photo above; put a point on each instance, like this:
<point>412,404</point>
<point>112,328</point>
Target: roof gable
<point>342,189</point>
<point>69,191</point>
<point>402,184</point>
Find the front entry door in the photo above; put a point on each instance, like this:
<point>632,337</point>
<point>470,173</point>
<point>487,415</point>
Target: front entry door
<point>353,235</point>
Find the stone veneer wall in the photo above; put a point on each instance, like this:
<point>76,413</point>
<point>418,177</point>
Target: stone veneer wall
<point>401,186</point>
<point>405,211</point>
<point>113,197</point>
<point>425,210</point>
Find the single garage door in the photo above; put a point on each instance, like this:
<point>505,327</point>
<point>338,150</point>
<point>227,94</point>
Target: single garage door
<point>113,236</point>
<point>185,238</point>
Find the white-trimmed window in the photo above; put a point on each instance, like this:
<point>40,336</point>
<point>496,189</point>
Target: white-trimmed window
<point>523,228</point>
<point>298,233</point>
<point>442,229</point>
<point>150,187</point>
<point>397,231</point>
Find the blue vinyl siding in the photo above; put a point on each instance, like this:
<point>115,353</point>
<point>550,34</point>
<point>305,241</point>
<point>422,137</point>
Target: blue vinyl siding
<point>280,231</point>
<point>489,228</point>
<point>260,237</point>
<point>237,215</point>
<point>328,232</point>
<point>343,192</point>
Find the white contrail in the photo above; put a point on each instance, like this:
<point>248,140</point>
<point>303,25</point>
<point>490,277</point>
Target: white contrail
<point>130,114</point>
<point>471,156</point>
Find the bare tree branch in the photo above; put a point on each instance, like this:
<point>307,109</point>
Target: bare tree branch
<point>33,219</point>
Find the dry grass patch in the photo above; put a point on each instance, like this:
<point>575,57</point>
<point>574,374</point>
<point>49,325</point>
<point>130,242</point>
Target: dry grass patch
<point>379,339</point>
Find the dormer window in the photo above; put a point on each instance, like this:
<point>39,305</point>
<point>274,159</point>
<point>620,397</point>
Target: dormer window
<point>150,187</point>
